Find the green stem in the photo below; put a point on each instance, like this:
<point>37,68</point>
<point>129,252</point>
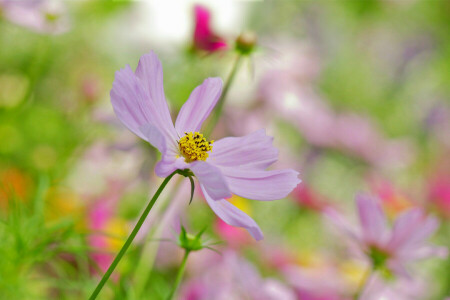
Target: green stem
<point>145,265</point>
<point>179,275</point>
<point>363,283</point>
<point>219,107</point>
<point>130,238</point>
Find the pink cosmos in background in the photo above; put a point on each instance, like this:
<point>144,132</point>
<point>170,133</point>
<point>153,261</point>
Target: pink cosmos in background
<point>385,247</point>
<point>235,165</point>
<point>42,16</point>
<point>204,38</point>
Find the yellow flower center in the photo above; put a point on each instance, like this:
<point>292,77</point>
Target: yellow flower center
<point>193,146</point>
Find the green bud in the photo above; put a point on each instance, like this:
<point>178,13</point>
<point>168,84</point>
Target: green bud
<point>190,242</point>
<point>246,42</point>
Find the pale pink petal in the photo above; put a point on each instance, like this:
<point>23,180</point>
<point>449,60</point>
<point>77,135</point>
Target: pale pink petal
<point>261,185</point>
<point>411,228</point>
<point>134,103</point>
<point>425,252</point>
<point>150,72</point>
<point>399,268</point>
<point>154,137</point>
<point>233,216</point>
<point>128,99</point>
<point>253,151</point>
<point>372,219</point>
<point>199,105</point>
<point>211,178</point>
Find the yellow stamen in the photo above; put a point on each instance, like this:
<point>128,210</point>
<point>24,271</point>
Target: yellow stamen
<point>193,146</point>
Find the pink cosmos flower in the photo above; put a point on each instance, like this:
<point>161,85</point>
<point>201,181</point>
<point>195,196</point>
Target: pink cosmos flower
<point>204,38</point>
<point>392,247</point>
<point>233,165</point>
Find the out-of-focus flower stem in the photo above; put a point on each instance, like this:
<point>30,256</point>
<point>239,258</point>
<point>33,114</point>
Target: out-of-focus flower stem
<point>363,284</point>
<point>219,107</point>
<point>131,237</point>
<point>179,275</point>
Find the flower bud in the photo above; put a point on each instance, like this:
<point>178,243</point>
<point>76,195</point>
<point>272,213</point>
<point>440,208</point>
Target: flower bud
<point>246,42</point>
<point>190,242</point>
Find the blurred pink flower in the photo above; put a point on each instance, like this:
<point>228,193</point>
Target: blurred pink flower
<point>308,198</point>
<point>393,200</point>
<point>108,231</point>
<point>235,238</point>
<point>439,194</point>
<point>401,289</point>
<point>391,248</point>
<point>204,38</point>
<point>316,283</point>
<point>235,165</point>
<point>232,278</point>
<point>42,16</point>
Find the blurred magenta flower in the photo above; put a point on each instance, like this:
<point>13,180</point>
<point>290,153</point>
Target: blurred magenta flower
<point>42,16</point>
<point>233,165</point>
<point>390,248</point>
<point>204,38</point>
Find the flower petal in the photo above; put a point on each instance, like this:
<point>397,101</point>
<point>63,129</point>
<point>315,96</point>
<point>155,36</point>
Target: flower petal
<point>233,216</point>
<point>342,224</point>
<point>154,137</point>
<point>137,103</point>
<point>398,267</point>
<point>261,185</point>
<point>150,72</point>
<point>411,229</point>
<point>372,219</point>
<point>211,178</point>
<point>128,99</point>
<point>425,252</point>
<point>199,105</point>
<point>253,151</point>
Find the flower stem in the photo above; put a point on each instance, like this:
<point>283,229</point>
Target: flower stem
<point>130,238</point>
<point>219,107</point>
<point>179,275</point>
<point>145,264</point>
<point>363,284</point>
